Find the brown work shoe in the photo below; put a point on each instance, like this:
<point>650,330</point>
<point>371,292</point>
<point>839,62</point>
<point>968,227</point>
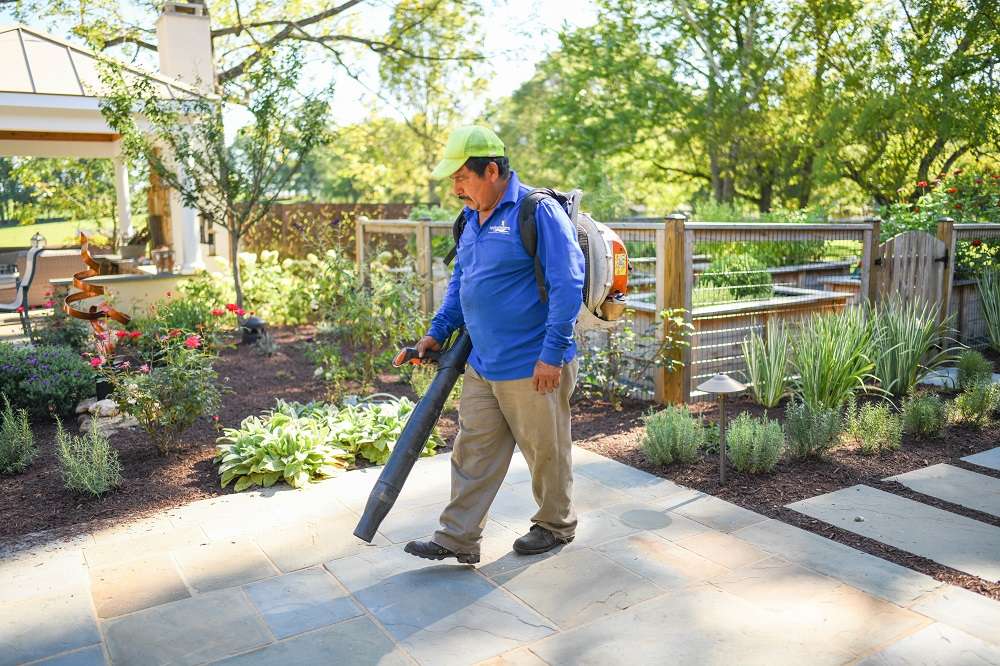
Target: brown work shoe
<point>432,551</point>
<point>538,540</point>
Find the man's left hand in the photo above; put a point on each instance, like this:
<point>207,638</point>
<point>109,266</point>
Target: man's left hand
<point>546,377</point>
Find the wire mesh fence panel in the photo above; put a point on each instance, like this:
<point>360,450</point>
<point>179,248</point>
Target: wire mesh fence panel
<point>746,277</point>
<point>977,250</point>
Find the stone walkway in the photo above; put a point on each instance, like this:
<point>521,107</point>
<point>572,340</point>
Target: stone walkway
<point>658,574</point>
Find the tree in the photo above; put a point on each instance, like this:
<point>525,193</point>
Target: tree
<point>233,185</point>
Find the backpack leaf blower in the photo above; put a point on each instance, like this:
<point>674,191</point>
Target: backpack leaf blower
<point>451,363</point>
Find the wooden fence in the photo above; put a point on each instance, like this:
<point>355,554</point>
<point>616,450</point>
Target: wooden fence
<point>794,271</point>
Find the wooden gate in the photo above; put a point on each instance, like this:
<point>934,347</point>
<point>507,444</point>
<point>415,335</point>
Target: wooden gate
<point>913,266</point>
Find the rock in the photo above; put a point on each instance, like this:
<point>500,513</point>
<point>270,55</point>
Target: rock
<point>106,407</point>
<point>859,519</point>
<point>86,405</point>
<point>109,425</point>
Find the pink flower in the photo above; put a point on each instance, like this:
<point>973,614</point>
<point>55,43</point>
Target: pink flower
<point>218,312</point>
<point>125,365</point>
<point>49,303</point>
<point>192,342</point>
<point>144,368</point>
<point>240,312</point>
<point>96,362</point>
<point>922,183</point>
<point>215,417</point>
<point>135,334</point>
<point>121,334</point>
<point>231,307</point>
<point>102,337</point>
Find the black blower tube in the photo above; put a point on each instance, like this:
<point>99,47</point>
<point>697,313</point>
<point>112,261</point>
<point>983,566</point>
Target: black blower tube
<point>413,438</point>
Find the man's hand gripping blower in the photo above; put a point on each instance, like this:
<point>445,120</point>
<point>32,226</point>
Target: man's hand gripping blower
<point>451,363</point>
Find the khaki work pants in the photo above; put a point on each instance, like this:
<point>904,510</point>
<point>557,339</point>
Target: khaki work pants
<point>493,416</point>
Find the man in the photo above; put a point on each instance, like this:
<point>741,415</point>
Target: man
<point>523,367</point>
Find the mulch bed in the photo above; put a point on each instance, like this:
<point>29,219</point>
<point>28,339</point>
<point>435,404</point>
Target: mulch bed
<point>36,501</point>
<point>618,434</point>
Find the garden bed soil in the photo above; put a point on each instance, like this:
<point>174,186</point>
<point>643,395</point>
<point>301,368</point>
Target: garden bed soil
<point>617,435</point>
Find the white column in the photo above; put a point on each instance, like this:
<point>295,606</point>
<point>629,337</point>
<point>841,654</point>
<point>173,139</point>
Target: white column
<point>125,231</point>
<point>185,236</point>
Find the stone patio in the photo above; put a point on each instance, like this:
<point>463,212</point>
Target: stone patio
<point>658,574</point>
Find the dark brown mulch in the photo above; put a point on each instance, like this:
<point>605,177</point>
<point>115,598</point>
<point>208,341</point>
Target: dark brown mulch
<point>36,500</point>
<point>617,435</point>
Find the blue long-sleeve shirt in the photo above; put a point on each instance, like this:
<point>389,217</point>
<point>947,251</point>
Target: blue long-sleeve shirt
<point>493,291</point>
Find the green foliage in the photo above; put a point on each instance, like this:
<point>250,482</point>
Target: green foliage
<point>45,380</point>
<point>767,365</point>
<point>924,415</point>
<point>300,443</point>
<point>742,274</point>
<point>280,291</point>
<point>614,365</point>
<point>976,405</point>
<point>907,339</point>
<point>61,330</point>
<point>874,427</point>
<point>964,196</point>
<point>754,445</point>
<point>293,443</point>
<point>168,396</point>
<point>811,431</point>
<point>434,213</point>
<point>973,368</point>
<point>672,435</point>
<point>832,358</point>
<point>989,297</point>
<point>179,316</point>
<point>89,463</point>
<point>17,444</point>
<point>420,380</point>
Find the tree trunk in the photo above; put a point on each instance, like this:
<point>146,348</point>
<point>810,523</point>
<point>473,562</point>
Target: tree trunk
<point>234,260</point>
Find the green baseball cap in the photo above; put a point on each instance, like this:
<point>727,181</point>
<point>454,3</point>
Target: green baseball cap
<point>466,142</point>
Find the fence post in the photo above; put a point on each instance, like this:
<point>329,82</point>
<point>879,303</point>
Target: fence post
<point>673,263</point>
<point>359,247</point>
<point>425,266</point>
<point>946,234</point>
<point>872,262</point>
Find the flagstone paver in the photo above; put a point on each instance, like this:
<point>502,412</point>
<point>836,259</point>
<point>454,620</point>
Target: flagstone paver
<point>955,485</point>
<point>355,642</point>
<point>872,574</point>
<point>657,574</point>
<point>576,587</point>
<point>942,536</point>
<point>989,459</point>
<point>936,645</point>
<point>192,631</point>
<point>89,656</point>
<point>441,614</point>
<point>301,601</point>
<point>37,627</point>
<point>126,587</point>
<point>218,565</point>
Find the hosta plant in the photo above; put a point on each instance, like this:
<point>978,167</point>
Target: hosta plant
<point>370,429</point>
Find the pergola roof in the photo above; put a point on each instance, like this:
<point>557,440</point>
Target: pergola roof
<point>34,62</point>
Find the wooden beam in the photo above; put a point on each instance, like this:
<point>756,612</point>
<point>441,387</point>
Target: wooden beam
<point>673,265</point>
<point>19,135</point>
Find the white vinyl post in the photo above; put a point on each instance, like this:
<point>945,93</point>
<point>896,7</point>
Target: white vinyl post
<point>125,231</point>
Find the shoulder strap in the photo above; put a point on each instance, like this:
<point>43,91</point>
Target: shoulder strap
<point>529,233</point>
<point>457,227</point>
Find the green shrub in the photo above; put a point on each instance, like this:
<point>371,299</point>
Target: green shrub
<point>742,274</point>
<point>767,365</point>
<point>832,357</point>
<point>973,368</point>
<point>975,405</point>
<point>44,380</point>
<point>167,397</point>
<point>89,463</point>
<point>924,415</point>
<point>301,443</point>
<point>672,435</point>
<point>874,427</point>
<point>811,431</point>
<point>988,283</point>
<point>278,290</point>
<point>754,445</point>
<point>17,444</point>
<point>905,337</point>
<point>62,330</point>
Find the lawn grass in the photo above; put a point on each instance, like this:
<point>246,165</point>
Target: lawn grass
<point>59,234</point>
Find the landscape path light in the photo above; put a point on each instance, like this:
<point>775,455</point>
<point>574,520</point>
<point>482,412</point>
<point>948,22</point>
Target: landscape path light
<point>722,385</point>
